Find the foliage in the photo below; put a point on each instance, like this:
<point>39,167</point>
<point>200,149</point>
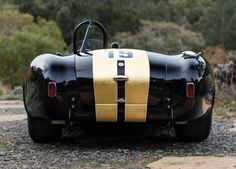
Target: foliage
<point>232,56</point>
<point>21,40</point>
<point>227,110</point>
<point>115,15</point>
<point>15,94</point>
<point>182,12</point>
<point>226,73</point>
<point>218,25</point>
<point>226,85</point>
<point>11,22</point>
<point>162,37</point>
<point>215,19</point>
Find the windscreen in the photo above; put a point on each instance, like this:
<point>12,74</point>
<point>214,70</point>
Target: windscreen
<point>93,41</point>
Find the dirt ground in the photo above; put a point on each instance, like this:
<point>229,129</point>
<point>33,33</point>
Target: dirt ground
<point>133,148</point>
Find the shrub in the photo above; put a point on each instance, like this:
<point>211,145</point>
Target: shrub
<point>21,40</point>
<point>226,83</point>
<point>161,37</point>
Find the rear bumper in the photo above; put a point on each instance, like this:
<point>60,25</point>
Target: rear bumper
<point>60,108</point>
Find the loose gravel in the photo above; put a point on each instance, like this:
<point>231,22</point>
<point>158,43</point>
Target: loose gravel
<point>116,148</point>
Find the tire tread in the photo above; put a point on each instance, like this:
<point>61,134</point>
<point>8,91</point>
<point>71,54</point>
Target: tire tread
<point>41,130</point>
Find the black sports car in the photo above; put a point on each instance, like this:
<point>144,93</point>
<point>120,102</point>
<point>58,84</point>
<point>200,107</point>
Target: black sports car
<point>97,85</point>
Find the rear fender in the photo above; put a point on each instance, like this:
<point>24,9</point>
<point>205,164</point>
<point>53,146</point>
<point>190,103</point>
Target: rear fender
<point>167,94</point>
<point>44,69</point>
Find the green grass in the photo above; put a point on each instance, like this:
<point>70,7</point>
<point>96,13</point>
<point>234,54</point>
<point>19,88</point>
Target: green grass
<point>226,114</point>
<point>227,110</point>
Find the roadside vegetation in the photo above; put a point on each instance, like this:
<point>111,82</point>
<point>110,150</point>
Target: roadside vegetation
<point>32,27</point>
<point>21,39</point>
<point>226,87</point>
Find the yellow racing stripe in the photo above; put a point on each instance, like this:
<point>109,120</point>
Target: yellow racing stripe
<point>137,87</point>
<point>105,88</point>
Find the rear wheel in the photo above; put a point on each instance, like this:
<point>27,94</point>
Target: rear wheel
<point>41,130</point>
<point>197,130</point>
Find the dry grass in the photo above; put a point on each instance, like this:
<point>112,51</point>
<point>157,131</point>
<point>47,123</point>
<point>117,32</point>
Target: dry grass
<point>4,90</point>
<point>216,55</point>
<point>223,110</point>
<point>225,102</point>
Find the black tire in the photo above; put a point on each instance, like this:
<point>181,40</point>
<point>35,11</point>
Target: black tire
<point>41,130</point>
<point>197,130</point>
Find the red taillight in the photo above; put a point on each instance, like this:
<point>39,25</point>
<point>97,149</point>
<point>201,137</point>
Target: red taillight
<point>190,90</point>
<point>52,89</point>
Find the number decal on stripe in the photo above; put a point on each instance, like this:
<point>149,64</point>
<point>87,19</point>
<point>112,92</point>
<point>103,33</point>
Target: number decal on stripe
<point>125,54</point>
<point>111,54</point>
<point>121,54</point>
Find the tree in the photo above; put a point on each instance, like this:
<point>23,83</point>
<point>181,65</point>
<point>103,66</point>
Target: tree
<point>218,25</point>
<point>116,15</point>
<point>161,37</point>
<point>213,18</point>
<point>21,40</point>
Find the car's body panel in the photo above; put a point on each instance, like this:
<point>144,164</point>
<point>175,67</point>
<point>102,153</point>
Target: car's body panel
<point>136,69</point>
<point>105,87</point>
<point>85,100</point>
<point>87,91</point>
<point>46,68</point>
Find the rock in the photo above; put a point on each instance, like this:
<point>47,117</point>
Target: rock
<point>2,153</point>
<point>196,162</point>
<point>18,117</point>
<point>107,166</point>
<point>233,129</point>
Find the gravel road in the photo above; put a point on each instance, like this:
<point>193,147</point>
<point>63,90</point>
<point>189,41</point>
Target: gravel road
<point>115,148</point>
